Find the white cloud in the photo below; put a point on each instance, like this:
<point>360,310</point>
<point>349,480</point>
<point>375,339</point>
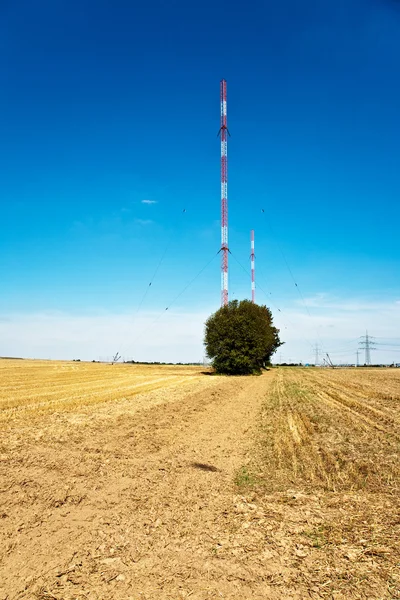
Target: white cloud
<point>144,221</point>
<point>149,201</point>
<point>157,336</point>
<point>336,324</point>
<point>327,302</point>
<point>177,335</point>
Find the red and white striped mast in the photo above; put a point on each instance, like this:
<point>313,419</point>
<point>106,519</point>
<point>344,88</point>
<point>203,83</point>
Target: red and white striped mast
<point>224,195</point>
<point>253,276</point>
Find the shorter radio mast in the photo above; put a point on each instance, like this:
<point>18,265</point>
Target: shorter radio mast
<point>253,276</point>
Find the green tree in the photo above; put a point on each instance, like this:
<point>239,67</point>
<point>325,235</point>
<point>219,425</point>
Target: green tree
<point>240,338</point>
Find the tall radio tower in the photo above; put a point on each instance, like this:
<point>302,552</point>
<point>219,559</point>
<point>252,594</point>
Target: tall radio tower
<point>223,131</point>
<point>252,260</point>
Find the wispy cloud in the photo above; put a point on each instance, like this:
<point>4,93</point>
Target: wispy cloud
<point>327,302</point>
<point>149,201</point>
<point>336,324</point>
<point>144,221</point>
<point>178,335</point>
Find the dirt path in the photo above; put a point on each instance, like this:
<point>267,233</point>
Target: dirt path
<point>134,499</point>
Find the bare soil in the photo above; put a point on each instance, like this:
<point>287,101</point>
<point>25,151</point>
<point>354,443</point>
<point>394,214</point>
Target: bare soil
<point>164,483</point>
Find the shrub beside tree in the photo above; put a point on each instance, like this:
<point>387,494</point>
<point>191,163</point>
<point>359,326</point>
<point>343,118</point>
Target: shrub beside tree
<point>240,338</point>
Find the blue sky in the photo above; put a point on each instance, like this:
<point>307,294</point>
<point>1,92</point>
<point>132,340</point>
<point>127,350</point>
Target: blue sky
<point>107,104</point>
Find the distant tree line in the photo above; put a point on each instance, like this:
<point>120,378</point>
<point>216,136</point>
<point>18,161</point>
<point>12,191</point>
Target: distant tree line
<point>141,362</point>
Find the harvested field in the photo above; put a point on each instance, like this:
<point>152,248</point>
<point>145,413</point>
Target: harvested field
<point>130,482</point>
<point>328,469</point>
<point>33,387</point>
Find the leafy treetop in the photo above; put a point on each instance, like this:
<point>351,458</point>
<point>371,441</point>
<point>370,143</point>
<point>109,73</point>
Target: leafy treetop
<point>240,338</point>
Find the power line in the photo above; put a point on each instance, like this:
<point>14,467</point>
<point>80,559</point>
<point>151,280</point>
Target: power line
<point>293,278</point>
<point>268,294</point>
<point>258,285</point>
<point>172,236</point>
<point>386,350</point>
<point>152,278</point>
<point>288,268</point>
<point>150,284</point>
<point>158,317</point>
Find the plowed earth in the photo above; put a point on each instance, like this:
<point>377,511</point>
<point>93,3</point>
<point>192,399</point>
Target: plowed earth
<point>127,482</point>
